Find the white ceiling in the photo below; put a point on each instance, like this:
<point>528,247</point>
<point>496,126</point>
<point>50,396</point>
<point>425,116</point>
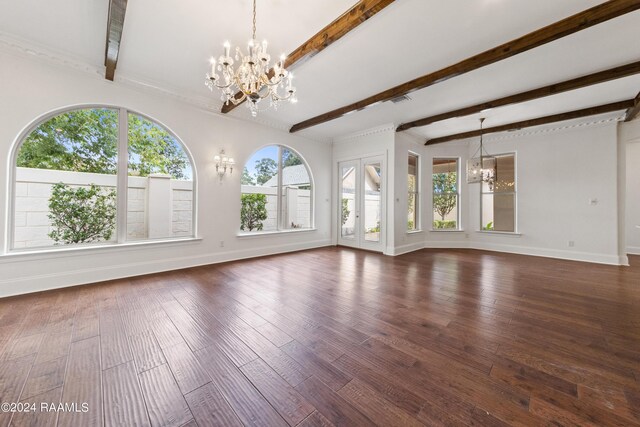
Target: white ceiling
<point>167,44</point>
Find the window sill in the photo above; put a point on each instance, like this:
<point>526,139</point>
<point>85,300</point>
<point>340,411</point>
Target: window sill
<point>63,251</point>
<point>242,235</point>
<point>444,230</point>
<point>504,233</point>
<point>414,231</point>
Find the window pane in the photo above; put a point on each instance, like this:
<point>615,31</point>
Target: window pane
<point>445,194</point>
<point>412,185</point>
<point>66,181</point>
<point>505,174</point>
<point>160,184</point>
<point>259,187</point>
<point>265,205</point>
<point>348,209</point>
<point>498,212</point>
<point>498,200</point>
<point>372,201</point>
<point>412,202</point>
<point>445,211</point>
<point>296,191</point>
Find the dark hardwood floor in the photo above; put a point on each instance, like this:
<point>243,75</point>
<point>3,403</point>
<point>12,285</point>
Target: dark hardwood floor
<point>333,337</point>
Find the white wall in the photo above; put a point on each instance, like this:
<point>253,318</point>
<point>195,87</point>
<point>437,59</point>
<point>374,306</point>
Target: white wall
<point>30,88</point>
<point>630,137</point>
<point>559,171</point>
<point>558,174</point>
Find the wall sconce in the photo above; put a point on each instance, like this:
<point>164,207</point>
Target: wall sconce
<point>223,163</point>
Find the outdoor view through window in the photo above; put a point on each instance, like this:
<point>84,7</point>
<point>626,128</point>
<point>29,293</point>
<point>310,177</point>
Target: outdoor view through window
<point>66,186</point>
<point>276,191</point>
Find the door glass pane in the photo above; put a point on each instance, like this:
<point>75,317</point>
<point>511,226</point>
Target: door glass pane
<point>348,209</point>
<point>372,202</point>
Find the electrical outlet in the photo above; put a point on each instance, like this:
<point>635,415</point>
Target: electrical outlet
<point>222,243</point>
<point>571,243</point>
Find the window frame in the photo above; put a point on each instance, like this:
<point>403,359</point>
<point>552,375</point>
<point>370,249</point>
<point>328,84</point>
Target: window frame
<point>122,171</point>
<point>515,198</point>
<point>458,194</point>
<point>416,193</point>
<point>280,226</point>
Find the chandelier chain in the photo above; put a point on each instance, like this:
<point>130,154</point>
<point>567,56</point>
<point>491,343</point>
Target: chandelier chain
<point>254,20</point>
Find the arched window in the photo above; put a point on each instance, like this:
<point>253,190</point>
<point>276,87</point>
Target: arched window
<point>277,191</point>
<point>78,180</point>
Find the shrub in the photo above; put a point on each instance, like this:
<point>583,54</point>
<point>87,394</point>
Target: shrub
<point>253,211</point>
<point>444,225</point>
<point>345,210</point>
<point>81,215</point>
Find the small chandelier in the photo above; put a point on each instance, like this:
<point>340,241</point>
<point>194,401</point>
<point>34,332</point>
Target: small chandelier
<point>482,168</point>
<point>253,78</point>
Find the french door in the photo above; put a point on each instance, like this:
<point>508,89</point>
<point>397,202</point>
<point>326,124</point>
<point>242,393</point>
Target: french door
<point>361,203</point>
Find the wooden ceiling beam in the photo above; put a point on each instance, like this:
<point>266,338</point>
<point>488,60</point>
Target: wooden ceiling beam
<point>346,22</point>
<point>634,111</point>
<point>115,24</point>
<point>578,22</point>
<point>585,112</point>
<point>530,95</point>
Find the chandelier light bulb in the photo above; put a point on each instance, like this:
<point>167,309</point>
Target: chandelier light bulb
<point>253,78</point>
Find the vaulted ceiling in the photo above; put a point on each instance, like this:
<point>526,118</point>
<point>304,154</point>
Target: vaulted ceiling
<point>166,44</point>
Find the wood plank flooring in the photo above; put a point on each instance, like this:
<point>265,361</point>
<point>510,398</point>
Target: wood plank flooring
<point>333,336</point>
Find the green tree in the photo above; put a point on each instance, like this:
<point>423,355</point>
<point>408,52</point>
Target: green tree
<point>253,211</point>
<point>345,210</point>
<point>289,158</point>
<point>81,140</point>
<point>265,169</point>
<point>444,193</point>
<point>81,215</point>
<point>153,150</point>
<point>87,141</point>
<point>246,178</point>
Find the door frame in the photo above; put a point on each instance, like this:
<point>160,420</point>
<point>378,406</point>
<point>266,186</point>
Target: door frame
<point>360,159</point>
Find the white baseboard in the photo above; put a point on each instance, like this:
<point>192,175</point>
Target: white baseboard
<point>447,245</point>
<point>44,282</point>
<point>405,249</point>
<point>552,253</point>
<point>542,252</point>
<point>633,250</point>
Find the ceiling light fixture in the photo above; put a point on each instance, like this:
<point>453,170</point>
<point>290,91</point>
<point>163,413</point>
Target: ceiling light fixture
<point>482,168</point>
<point>253,78</point>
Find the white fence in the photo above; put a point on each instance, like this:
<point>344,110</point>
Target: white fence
<point>157,206</point>
<point>297,206</point>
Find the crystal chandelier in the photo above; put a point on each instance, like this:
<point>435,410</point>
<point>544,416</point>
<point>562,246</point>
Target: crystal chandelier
<point>482,168</point>
<point>253,78</point>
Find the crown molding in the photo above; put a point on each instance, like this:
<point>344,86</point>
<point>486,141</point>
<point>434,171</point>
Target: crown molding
<point>605,119</point>
<point>389,127</point>
<point>31,50</point>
